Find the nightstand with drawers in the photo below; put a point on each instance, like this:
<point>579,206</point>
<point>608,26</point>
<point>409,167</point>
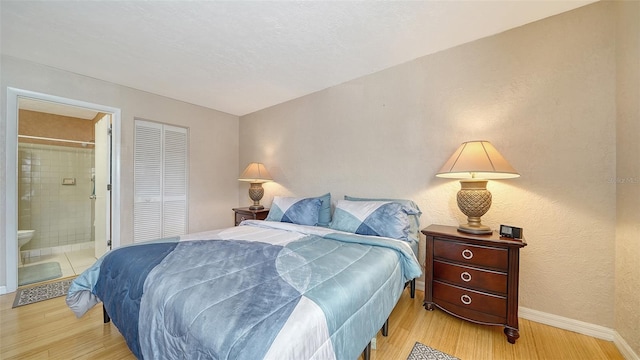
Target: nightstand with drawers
<point>473,277</point>
<point>244,213</point>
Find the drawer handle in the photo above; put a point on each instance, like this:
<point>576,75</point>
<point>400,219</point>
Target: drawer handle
<point>466,299</point>
<point>465,276</point>
<point>467,254</point>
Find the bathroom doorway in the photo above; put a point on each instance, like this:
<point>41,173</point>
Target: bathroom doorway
<point>60,164</point>
<point>64,187</point>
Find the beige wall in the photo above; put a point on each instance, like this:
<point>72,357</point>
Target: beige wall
<point>627,295</point>
<point>213,142</point>
<point>543,94</point>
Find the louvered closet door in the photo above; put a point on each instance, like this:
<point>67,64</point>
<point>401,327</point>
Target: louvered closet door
<point>174,204</point>
<point>160,177</point>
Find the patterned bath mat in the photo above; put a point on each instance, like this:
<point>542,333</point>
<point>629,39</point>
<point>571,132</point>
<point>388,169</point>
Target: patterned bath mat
<point>37,273</point>
<point>423,352</point>
<point>30,295</point>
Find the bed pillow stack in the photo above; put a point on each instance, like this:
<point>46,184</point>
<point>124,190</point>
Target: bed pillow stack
<point>378,218</point>
<point>314,211</point>
<point>413,216</point>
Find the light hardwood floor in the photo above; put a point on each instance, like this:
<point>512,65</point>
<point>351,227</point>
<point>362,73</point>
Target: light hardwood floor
<point>49,330</point>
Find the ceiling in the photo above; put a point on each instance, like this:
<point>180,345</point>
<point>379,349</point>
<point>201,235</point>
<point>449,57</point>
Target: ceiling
<point>242,56</point>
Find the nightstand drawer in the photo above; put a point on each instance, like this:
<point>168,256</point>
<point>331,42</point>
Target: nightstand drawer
<point>470,314</point>
<point>469,254</point>
<point>478,279</point>
<point>470,299</point>
<point>240,217</point>
<point>242,214</point>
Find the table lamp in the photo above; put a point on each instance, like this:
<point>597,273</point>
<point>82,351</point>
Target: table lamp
<point>255,174</point>
<point>476,162</point>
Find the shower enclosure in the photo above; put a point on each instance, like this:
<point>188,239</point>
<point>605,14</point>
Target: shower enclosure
<point>54,188</point>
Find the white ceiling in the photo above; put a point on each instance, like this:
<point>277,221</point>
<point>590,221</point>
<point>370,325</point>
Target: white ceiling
<point>243,56</point>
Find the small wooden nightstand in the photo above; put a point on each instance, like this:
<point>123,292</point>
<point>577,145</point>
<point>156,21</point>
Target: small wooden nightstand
<point>244,213</point>
<point>473,277</point>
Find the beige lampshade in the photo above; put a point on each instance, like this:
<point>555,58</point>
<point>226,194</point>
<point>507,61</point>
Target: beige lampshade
<point>478,160</point>
<point>255,173</point>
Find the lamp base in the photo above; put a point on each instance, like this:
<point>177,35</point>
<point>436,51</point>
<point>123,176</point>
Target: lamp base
<point>474,200</point>
<point>256,191</point>
<point>477,230</point>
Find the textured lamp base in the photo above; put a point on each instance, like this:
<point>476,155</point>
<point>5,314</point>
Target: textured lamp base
<point>474,200</point>
<point>256,191</point>
<point>478,230</point>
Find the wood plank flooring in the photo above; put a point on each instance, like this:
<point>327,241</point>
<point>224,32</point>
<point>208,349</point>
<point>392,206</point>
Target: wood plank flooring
<point>49,330</point>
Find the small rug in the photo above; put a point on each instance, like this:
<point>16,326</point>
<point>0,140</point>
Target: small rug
<point>423,352</point>
<point>30,295</point>
<point>37,273</point>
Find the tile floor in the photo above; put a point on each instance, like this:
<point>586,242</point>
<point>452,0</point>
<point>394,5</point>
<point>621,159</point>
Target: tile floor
<point>71,262</point>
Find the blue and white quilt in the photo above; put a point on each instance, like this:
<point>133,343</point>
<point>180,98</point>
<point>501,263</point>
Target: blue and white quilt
<point>264,290</point>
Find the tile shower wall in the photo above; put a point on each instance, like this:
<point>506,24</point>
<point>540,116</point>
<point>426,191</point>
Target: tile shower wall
<point>59,214</point>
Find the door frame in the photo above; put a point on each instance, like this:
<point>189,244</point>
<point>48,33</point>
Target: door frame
<point>101,193</point>
<point>11,183</point>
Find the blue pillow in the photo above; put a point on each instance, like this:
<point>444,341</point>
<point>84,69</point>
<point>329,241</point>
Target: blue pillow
<point>414,217</point>
<point>302,211</point>
<point>377,218</point>
<point>324,219</point>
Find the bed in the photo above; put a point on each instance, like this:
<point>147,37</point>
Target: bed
<point>276,289</point>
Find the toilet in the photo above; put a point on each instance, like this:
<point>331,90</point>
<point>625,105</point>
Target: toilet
<point>24,236</point>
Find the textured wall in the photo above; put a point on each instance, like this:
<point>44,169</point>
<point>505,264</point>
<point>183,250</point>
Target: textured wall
<point>627,295</point>
<point>213,142</point>
<point>543,94</point>
<point>33,123</point>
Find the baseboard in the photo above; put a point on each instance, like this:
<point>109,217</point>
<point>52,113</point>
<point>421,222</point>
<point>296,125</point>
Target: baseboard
<point>624,348</point>
<point>3,290</point>
<point>580,327</point>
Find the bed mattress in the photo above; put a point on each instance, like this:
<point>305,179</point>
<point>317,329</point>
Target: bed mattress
<point>264,290</point>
